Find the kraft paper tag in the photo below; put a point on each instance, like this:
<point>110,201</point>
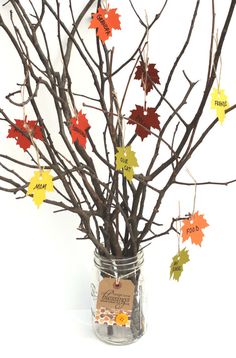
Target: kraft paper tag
<point>114,302</point>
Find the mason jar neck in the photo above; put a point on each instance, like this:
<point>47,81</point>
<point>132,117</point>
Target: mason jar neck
<point>119,267</point>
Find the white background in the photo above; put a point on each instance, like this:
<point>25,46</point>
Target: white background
<point>45,273</point>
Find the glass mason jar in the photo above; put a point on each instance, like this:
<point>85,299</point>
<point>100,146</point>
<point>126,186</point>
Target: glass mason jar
<point>115,325</point>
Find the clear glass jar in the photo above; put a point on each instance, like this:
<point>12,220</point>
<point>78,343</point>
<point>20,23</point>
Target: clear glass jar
<point>119,269</point>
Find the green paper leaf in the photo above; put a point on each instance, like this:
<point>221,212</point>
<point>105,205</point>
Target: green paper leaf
<point>176,267</point>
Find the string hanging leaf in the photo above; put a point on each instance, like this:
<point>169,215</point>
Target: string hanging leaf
<point>104,21</point>
<point>39,184</point>
<point>126,161</point>
<point>192,228</point>
<point>148,75</point>
<point>21,129</point>
<point>78,128</point>
<point>176,267</point>
<point>220,103</point>
<point>144,120</point>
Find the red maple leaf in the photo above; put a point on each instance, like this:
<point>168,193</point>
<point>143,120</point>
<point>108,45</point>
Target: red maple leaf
<point>104,21</point>
<point>144,120</point>
<point>148,75</point>
<point>78,128</point>
<point>20,131</point>
<point>192,228</point>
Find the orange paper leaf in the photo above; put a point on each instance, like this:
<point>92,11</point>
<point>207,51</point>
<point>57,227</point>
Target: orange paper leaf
<point>78,128</point>
<point>21,129</point>
<point>104,21</point>
<point>192,228</point>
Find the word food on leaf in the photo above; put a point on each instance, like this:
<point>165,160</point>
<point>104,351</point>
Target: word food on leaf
<point>220,103</point>
<point>192,228</point>
<point>78,129</point>
<point>144,120</point>
<point>104,21</point>
<point>148,75</point>
<point>39,184</point>
<point>23,128</point>
<point>126,161</point>
<point>176,267</point>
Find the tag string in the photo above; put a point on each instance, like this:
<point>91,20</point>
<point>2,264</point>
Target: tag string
<point>195,190</point>
<point>178,228</point>
<point>218,79</point>
<point>146,62</point>
<point>26,126</point>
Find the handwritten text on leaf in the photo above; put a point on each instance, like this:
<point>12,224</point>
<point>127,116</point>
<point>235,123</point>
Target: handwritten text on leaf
<point>176,267</point>
<point>219,102</point>
<point>104,21</point>
<point>126,161</point>
<point>192,228</point>
<point>39,184</point>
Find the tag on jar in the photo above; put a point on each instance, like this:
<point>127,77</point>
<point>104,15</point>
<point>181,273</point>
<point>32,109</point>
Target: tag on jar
<point>114,302</point>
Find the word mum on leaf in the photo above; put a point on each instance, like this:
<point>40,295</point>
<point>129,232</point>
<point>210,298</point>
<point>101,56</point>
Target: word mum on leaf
<point>78,128</point>
<point>126,161</point>
<point>220,103</point>
<point>144,120</point>
<point>176,267</point>
<point>192,228</point>
<point>39,184</point>
<point>104,21</point>
<point>21,129</point>
<point>148,75</point>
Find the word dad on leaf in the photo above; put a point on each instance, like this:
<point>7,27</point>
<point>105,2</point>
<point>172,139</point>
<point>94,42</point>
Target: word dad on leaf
<point>220,103</point>
<point>78,129</point>
<point>23,128</point>
<point>104,21</point>
<point>192,228</point>
<point>144,120</point>
<point>176,267</point>
<point>39,184</point>
<point>126,161</point>
<point>148,75</point>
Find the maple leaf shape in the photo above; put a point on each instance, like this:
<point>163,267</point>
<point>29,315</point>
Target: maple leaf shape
<point>23,126</point>
<point>192,228</point>
<point>104,21</point>
<point>219,102</point>
<point>78,129</point>
<point>148,75</point>
<point>144,120</point>
<point>39,184</point>
<point>126,161</point>
<point>176,267</point>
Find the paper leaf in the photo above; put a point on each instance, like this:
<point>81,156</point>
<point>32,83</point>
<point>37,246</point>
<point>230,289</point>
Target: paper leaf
<point>176,267</point>
<point>126,161</point>
<point>144,120</point>
<point>24,126</point>
<point>220,103</point>
<point>39,184</point>
<point>78,129</point>
<point>104,21</point>
<point>148,75</point>
<point>192,228</point>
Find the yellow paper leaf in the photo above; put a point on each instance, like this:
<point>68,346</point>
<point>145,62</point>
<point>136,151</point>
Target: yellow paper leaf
<point>220,103</point>
<point>39,184</point>
<point>126,161</point>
